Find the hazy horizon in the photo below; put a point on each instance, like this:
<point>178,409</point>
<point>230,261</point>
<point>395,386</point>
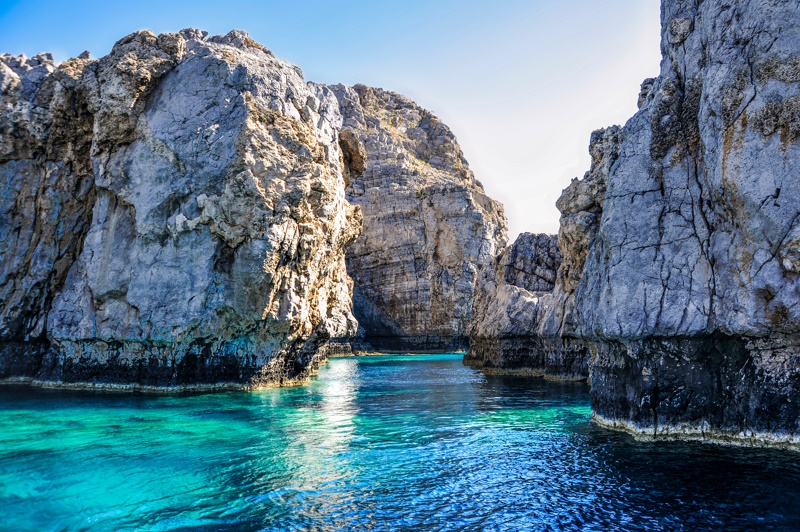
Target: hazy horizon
<point>522,85</point>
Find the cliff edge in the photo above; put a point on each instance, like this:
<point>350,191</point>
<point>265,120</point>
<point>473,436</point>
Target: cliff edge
<point>173,215</point>
<point>689,294</point>
<point>429,228</point>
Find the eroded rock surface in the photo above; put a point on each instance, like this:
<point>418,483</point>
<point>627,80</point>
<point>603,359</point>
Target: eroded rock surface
<point>429,228</point>
<point>525,319</point>
<point>173,214</point>
<point>505,335</point>
<point>690,292</point>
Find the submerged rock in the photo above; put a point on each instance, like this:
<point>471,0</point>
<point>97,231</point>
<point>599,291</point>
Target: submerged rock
<point>173,214</point>
<point>429,228</point>
<point>690,292</point>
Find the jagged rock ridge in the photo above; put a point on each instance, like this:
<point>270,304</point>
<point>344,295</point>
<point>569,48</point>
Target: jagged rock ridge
<point>173,214</point>
<point>689,294</point>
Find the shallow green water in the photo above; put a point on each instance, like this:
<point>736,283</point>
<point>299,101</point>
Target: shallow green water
<point>390,442</point>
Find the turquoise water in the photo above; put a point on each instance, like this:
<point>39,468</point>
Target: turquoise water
<point>383,443</point>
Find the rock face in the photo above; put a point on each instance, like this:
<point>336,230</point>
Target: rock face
<point>690,291</point>
<point>172,214</point>
<point>429,228</point>
<point>525,319</point>
<point>505,335</point>
<point>680,248</point>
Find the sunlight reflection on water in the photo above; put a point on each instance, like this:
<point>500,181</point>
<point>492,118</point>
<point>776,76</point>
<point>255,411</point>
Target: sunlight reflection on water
<point>391,442</point>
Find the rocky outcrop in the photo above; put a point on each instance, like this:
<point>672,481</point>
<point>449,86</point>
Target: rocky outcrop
<point>505,334</point>
<point>679,270</point>
<point>176,214</point>
<point>173,214</point>
<point>531,262</point>
<point>48,193</point>
<point>689,293</point>
<point>429,228</point>
<point>581,207</point>
<point>524,318</point>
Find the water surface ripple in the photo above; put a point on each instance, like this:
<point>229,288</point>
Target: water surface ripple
<point>384,443</point>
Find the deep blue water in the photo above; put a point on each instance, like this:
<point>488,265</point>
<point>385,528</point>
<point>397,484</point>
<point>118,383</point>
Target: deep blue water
<point>381,443</point>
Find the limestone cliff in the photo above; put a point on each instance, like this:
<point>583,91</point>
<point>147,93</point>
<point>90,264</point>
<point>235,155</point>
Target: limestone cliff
<point>528,327</point>
<point>679,247</point>
<point>690,292</point>
<point>505,335</point>
<point>429,228</point>
<point>172,214</point>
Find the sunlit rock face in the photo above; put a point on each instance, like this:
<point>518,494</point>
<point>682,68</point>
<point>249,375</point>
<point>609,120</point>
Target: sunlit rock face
<point>429,228</point>
<point>172,214</point>
<point>689,293</point>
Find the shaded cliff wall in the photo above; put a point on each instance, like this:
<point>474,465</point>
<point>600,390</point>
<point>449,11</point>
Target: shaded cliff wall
<point>525,327</point>
<point>504,335</point>
<point>173,214</point>
<point>690,291</point>
<point>429,228</point>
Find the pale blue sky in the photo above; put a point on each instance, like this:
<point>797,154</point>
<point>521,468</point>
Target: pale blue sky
<point>522,84</point>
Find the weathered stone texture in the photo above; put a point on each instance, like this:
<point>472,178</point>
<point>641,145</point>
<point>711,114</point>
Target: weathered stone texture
<point>690,291</point>
<point>506,332</point>
<point>532,262</point>
<point>524,316</point>
<point>581,207</point>
<point>173,214</point>
<point>429,228</point>
<point>679,247</point>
